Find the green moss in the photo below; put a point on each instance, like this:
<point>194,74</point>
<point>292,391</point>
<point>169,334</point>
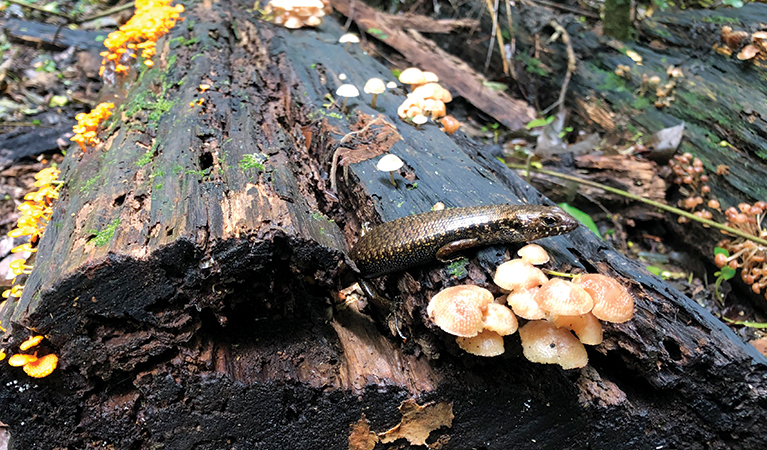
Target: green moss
<point>159,186</point>
<point>253,161</point>
<point>640,103</point>
<point>182,41</point>
<point>88,184</point>
<point>145,159</point>
<point>158,173</point>
<point>177,169</point>
<point>720,20</point>
<point>457,269</point>
<point>158,108</point>
<point>613,82</point>
<point>172,60</point>
<point>199,173</point>
<point>104,236</point>
<point>316,215</point>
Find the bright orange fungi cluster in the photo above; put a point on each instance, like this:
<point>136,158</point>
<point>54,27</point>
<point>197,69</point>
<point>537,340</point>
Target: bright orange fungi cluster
<point>152,20</point>
<point>35,214</point>
<point>88,125</point>
<point>554,309</point>
<point>33,366</point>
<point>747,255</point>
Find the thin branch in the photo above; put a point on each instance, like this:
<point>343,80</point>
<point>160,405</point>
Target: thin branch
<point>108,12</point>
<point>498,36</point>
<point>658,205</point>
<point>571,65</point>
<point>513,43</point>
<point>40,10</point>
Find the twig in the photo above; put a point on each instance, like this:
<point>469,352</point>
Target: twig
<point>108,12</point>
<point>639,198</point>
<point>40,10</point>
<point>513,43</point>
<point>571,66</point>
<point>567,8</point>
<point>493,9</point>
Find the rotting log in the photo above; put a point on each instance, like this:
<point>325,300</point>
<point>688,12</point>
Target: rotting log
<point>190,295</point>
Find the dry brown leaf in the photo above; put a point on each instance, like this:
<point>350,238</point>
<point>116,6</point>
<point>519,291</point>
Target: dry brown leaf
<point>418,421</point>
<point>361,438</point>
<point>369,138</point>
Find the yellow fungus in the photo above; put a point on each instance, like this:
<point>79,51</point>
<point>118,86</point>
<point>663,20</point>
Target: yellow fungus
<point>42,367</point>
<point>31,342</point>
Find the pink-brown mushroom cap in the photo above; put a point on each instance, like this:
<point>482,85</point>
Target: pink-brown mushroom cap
<point>486,343</point>
<point>543,342</point>
<point>518,274</point>
<point>586,326</point>
<point>534,254</point>
<point>560,297</point>
<point>459,310</point>
<point>500,319</point>
<point>612,301</point>
<point>523,304</point>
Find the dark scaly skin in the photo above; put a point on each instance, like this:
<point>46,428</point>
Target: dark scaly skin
<point>415,240</point>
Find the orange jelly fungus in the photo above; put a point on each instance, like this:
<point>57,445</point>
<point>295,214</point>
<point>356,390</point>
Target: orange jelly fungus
<point>31,342</point>
<point>152,20</point>
<point>42,367</point>
<point>88,125</point>
<point>2,355</point>
<point>20,360</point>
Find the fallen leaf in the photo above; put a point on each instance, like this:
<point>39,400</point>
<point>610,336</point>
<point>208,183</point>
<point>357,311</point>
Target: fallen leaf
<point>419,421</point>
<point>369,138</point>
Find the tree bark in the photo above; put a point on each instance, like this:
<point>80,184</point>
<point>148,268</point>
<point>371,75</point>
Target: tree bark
<point>191,296</point>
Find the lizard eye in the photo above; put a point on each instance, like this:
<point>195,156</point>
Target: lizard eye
<point>549,221</point>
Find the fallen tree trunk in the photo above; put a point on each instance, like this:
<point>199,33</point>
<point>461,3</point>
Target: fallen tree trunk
<point>190,293</point>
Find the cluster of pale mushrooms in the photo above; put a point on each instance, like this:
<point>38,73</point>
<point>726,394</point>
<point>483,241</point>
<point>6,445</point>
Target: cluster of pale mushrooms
<point>748,45</point>
<point>295,14</point>
<point>554,308</point>
<point>427,98</point>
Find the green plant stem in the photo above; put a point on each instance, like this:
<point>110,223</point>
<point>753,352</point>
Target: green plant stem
<point>658,205</point>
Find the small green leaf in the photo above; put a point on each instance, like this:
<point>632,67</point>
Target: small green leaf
<point>726,273</point>
<point>581,217</point>
<point>654,270</point>
<point>396,73</point>
<point>539,122</point>
<point>377,33</point>
<point>495,86</point>
<point>720,250</point>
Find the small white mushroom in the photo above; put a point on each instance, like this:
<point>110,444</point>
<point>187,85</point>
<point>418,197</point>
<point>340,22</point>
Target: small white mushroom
<point>391,85</point>
<point>374,86</point>
<point>347,91</point>
<point>419,120</point>
<point>348,38</point>
<point>390,163</point>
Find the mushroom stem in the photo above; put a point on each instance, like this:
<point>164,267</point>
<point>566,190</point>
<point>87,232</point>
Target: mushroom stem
<point>391,177</point>
<point>343,106</point>
<point>373,103</point>
<point>347,46</point>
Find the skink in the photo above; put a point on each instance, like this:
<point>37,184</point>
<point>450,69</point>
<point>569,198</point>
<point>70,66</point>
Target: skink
<point>419,239</point>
